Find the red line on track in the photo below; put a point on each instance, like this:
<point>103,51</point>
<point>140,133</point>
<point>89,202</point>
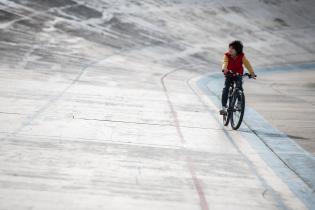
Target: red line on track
<point>202,199</point>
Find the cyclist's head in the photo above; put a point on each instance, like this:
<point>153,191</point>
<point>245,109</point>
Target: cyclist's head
<point>236,47</point>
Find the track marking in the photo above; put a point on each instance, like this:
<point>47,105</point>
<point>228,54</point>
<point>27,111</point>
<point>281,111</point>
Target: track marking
<point>198,186</point>
<point>276,197</point>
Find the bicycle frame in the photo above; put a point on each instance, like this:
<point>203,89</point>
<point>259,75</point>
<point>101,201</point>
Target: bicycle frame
<point>236,101</point>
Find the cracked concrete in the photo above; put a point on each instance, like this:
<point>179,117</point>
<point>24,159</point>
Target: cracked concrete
<point>100,107</point>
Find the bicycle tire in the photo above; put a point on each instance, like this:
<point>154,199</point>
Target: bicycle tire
<point>239,96</point>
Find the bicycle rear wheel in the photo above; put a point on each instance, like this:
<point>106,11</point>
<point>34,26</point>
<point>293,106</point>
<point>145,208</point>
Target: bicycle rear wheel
<point>238,108</point>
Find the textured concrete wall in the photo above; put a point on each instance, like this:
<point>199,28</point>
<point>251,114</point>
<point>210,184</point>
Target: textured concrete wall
<point>274,32</point>
<point>99,107</point>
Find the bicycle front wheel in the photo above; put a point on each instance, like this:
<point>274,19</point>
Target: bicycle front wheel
<point>238,106</point>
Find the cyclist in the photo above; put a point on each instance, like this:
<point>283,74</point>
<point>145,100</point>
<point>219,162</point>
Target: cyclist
<point>233,61</point>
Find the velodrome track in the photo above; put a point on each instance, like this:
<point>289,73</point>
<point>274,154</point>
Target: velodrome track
<point>114,105</point>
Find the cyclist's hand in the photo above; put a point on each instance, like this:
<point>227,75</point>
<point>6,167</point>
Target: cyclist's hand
<point>253,76</point>
<point>225,71</point>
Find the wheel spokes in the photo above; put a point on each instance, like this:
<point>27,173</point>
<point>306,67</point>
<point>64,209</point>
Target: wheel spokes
<point>237,109</point>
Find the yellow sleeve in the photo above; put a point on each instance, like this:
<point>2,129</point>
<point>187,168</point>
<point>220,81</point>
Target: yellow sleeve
<point>248,65</point>
<point>225,62</point>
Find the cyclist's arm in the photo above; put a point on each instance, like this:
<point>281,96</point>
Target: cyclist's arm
<point>248,65</point>
<point>225,62</point>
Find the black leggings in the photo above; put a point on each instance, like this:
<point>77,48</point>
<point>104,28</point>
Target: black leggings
<point>227,84</point>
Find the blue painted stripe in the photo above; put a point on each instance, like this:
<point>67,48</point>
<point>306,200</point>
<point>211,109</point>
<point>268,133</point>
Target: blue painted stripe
<point>282,154</point>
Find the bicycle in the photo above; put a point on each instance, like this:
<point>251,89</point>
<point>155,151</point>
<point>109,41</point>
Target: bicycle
<point>236,103</point>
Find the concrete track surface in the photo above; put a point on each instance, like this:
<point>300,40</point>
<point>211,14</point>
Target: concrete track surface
<point>113,104</point>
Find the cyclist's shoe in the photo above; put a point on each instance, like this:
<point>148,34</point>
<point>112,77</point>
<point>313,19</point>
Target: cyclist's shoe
<point>223,110</point>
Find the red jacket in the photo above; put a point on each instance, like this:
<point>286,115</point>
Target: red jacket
<point>235,64</point>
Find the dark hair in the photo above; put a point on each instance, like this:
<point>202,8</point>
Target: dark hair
<point>237,45</point>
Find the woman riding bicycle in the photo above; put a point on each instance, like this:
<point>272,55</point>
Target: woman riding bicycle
<point>233,62</point>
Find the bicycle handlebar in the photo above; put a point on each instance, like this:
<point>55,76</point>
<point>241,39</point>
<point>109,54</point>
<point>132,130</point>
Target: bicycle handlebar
<point>244,75</point>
